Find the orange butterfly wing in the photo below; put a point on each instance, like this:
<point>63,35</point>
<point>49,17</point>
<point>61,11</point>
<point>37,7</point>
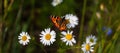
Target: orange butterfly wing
<point>63,26</point>
<point>57,21</point>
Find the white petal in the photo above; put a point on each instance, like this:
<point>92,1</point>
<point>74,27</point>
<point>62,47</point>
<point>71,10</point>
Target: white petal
<point>73,40</point>
<point>64,33</point>
<point>67,43</point>
<point>71,32</point>
<point>70,43</point>
<point>91,50</point>
<point>43,33</point>
<point>88,51</point>
<point>68,32</point>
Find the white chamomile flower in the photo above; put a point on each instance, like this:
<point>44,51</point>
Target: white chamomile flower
<point>56,2</point>
<point>91,39</point>
<point>72,20</point>
<point>24,38</point>
<point>47,37</point>
<point>87,47</point>
<point>68,38</point>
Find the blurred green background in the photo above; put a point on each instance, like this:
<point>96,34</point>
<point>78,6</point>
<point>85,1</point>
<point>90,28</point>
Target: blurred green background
<point>33,16</point>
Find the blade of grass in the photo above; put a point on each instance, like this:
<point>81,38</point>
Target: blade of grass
<point>17,29</point>
<point>82,24</point>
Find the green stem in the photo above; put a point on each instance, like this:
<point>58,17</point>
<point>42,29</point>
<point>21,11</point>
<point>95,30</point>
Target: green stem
<point>82,20</point>
<point>82,24</point>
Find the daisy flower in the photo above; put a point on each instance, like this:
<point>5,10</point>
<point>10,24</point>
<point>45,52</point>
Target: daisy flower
<point>91,39</point>
<point>87,47</point>
<point>56,2</point>
<point>47,37</point>
<point>72,20</point>
<point>24,38</point>
<point>68,38</point>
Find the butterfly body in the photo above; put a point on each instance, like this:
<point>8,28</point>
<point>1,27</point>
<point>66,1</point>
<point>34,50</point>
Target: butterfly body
<point>59,22</point>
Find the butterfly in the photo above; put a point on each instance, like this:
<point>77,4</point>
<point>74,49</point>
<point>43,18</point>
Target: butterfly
<point>59,22</point>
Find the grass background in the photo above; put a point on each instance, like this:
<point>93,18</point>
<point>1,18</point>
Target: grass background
<point>33,16</point>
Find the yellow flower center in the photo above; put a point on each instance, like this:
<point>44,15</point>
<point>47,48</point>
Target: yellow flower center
<point>87,47</point>
<point>67,21</point>
<point>68,36</point>
<point>47,36</point>
<point>24,38</point>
